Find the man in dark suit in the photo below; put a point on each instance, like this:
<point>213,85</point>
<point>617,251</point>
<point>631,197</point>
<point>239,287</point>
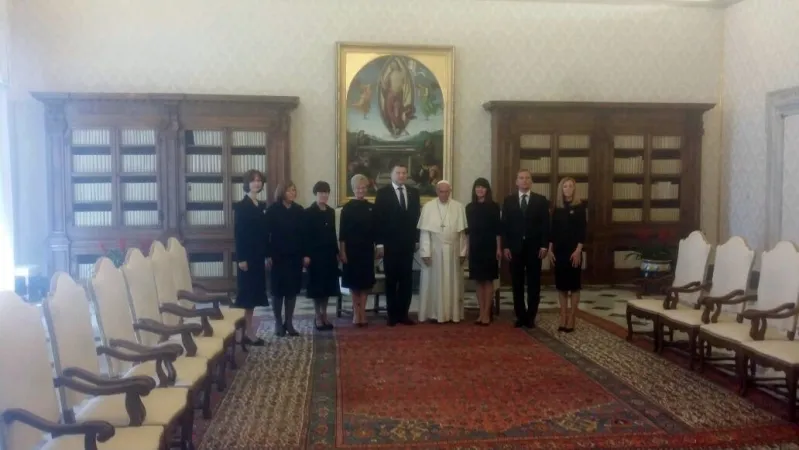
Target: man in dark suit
<point>525,240</point>
<point>397,209</point>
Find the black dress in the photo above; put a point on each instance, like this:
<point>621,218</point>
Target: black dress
<point>568,230</point>
<point>286,233</point>
<point>322,248</point>
<point>249,229</point>
<point>483,220</point>
<point>357,232</point>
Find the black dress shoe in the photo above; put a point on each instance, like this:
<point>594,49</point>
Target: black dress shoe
<point>392,323</point>
<point>561,328</point>
<point>529,325</point>
<point>518,324</point>
<point>407,321</point>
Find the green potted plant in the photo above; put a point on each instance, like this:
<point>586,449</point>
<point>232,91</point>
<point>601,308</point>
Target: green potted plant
<point>656,252</point>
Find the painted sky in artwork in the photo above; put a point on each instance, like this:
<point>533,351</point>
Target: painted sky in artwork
<point>373,125</point>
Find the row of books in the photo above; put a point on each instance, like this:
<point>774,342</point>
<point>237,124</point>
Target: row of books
<point>102,163</point>
<point>636,214</point>
<point>582,141</point>
<point>661,190</point>
<point>546,190</point>
<point>213,138</point>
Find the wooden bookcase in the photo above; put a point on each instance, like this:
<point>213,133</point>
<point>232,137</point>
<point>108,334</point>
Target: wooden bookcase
<point>638,165</point>
<point>131,168</point>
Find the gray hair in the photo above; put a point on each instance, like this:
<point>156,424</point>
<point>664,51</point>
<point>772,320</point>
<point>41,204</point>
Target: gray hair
<point>356,180</point>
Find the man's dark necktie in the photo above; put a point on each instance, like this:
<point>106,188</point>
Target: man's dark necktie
<point>401,198</point>
<point>524,203</point>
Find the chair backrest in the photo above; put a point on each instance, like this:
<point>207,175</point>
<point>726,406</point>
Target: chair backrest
<point>164,281</point>
<point>26,377</point>
<point>142,292</point>
<point>779,281</point>
<point>181,272</point>
<point>108,292</point>
<point>69,320</point>
<point>692,256</point>
<point>731,269</point>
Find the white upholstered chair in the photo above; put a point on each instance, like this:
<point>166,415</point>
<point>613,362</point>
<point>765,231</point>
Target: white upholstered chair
<point>777,300</point>
<point>190,294</point>
<point>29,409</point>
<point>155,325</point>
<point>109,294</point>
<point>731,268</point>
<point>685,286</point>
<point>76,362</point>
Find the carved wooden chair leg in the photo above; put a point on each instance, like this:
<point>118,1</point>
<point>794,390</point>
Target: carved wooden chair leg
<point>701,344</point>
<point>206,400</point>
<point>692,348</point>
<point>741,363</point>
<point>187,426</point>
<point>629,325</point>
<point>791,379</point>
<point>221,379</point>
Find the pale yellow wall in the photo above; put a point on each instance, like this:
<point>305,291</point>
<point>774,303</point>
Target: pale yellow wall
<point>761,54</point>
<point>504,50</point>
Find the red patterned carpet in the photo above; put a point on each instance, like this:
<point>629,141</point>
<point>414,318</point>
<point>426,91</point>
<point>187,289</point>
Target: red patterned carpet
<point>469,387</point>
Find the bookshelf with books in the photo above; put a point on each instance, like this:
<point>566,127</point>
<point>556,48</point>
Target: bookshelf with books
<point>137,167</point>
<point>637,165</point>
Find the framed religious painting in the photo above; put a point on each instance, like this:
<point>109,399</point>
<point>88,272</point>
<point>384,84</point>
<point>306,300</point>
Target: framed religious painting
<point>394,105</point>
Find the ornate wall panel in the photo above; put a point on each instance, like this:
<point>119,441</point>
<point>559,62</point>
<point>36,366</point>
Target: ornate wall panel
<point>504,50</point>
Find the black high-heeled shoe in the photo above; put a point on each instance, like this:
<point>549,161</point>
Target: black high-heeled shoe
<point>290,330</point>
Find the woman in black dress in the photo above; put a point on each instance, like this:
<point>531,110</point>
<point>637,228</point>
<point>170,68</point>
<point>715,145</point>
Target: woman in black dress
<point>286,255</point>
<point>249,225</point>
<point>485,251</point>
<point>566,249</point>
<point>322,246</point>
<point>357,245</point>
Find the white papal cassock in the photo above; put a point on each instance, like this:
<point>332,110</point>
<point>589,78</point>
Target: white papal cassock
<point>442,238</point>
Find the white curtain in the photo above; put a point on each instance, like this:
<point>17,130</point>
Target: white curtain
<point>6,202</point>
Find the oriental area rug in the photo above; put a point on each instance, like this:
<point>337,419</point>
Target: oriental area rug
<point>469,387</point>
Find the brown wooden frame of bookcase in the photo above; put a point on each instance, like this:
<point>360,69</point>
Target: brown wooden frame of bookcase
<point>602,121</point>
<point>170,115</point>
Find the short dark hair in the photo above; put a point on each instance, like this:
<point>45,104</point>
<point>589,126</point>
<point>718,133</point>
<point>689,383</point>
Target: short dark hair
<point>321,186</point>
<point>398,164</point>
<point>280,191</point>
<point>250,176</point>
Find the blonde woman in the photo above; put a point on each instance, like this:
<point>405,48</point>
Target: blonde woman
<point>566,250</point>
<point>357,248</point>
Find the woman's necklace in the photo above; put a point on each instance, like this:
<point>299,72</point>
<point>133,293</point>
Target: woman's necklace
<point>444,216</point>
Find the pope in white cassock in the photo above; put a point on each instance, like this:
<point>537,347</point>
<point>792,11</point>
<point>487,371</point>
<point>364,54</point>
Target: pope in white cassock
<point>443,247</point>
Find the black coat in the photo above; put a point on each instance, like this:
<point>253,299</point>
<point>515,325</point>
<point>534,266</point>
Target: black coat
<point>396,227</point>
<point>530,227</point>
<point>285,232</point>
<point>249,229</point>
<point>322,247</point>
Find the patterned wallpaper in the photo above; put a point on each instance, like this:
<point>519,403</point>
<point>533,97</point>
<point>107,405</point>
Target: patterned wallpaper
<point>761,54</point>
<point>504,50</point>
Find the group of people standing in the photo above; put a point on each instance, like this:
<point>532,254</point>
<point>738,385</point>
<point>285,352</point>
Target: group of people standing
<point>287,239</point>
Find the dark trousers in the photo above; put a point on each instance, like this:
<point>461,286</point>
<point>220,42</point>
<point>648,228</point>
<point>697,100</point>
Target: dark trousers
<point>526,266</point>
<point>398,267</point>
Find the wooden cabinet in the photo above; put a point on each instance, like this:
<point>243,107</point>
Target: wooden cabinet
<point>125,169</point>
<point>638,165</point>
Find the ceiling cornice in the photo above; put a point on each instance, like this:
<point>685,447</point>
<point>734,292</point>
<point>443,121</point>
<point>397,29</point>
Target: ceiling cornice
<point>716,4</point>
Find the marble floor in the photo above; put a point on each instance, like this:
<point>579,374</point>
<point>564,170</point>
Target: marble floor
<point>602,301</point>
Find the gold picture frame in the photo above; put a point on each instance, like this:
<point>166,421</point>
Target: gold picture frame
<point>394,103</point>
